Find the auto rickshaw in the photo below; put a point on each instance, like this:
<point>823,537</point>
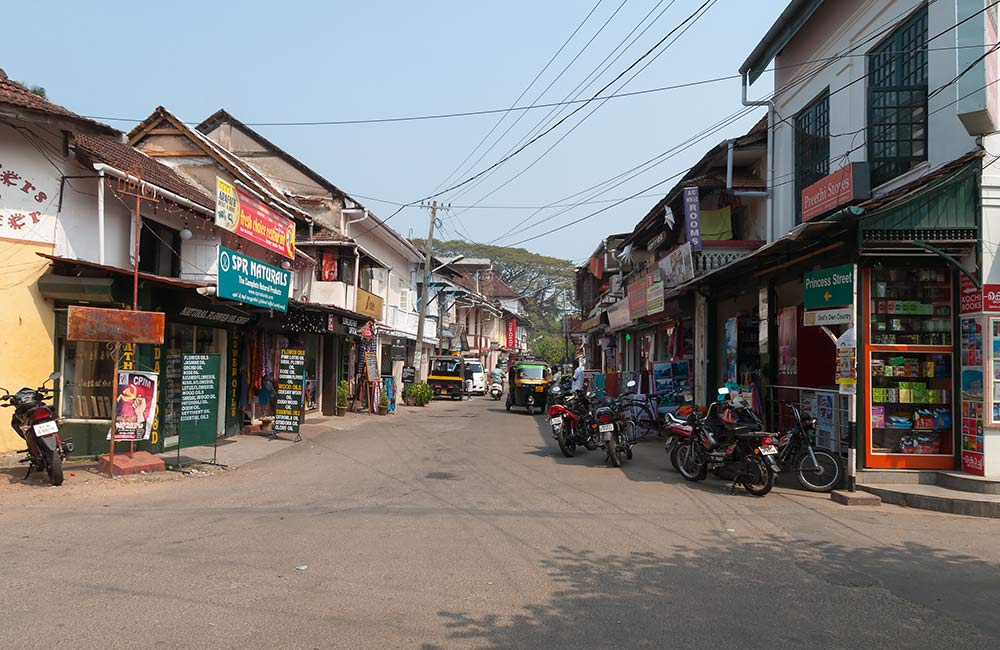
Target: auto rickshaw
<point>528,381</point>
<point>447,376</point>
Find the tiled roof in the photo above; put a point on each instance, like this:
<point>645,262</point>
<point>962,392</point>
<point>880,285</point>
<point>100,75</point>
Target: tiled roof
<point>320,234</point>
<point>125,158</point>
<point>14,94</point>
<point>492,286</point>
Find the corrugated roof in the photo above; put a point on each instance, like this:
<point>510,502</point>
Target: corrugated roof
<point>14,94</point>
<point>111,151</point>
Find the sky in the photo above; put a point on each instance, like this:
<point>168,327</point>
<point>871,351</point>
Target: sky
<point>326,61</point>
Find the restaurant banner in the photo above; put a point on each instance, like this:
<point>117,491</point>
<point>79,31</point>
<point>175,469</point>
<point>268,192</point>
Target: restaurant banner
<point>135,405</point>
<point>618,315</point>
<point>240,212</point>
<point>251,281</point>
<point>637,297</point>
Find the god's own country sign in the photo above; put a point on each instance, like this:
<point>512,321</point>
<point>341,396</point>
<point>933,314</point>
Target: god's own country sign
<point>251,281</point>
<point>833,287</point>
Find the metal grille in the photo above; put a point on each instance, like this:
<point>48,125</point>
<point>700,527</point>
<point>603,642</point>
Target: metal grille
<point>897,101</point>
<point>812,147</point>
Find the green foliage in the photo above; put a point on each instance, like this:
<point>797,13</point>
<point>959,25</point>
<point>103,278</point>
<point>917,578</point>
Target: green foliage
<point>36,90</point>
<point>384,400</point>
<point>549,347</point>
<point>342,389</point>
<point>420,392</point>
<point>545,282</point>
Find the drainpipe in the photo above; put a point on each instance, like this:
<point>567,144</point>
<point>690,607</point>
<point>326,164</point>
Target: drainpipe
<point>100,216</point>
<point>357,275</point>
<point>744,84</point>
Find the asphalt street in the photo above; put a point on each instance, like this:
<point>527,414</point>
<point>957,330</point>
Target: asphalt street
<point>461,526</point>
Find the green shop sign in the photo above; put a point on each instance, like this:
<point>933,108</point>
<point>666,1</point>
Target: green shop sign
<point>251,281</point>
<point>833,287</point>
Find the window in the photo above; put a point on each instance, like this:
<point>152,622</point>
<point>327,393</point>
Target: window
<point>157,246</point>
<point>897,101</point>
<point>336,266</point>
<point>812,147</point>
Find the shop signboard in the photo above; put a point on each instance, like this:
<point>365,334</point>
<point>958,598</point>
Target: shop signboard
<point>692,217</point>
<point>655,242</point>
<point>677,267</point>
<point>240,212</point>
<point>618,315</point>
<point>846,186</point>
<point>832,287</point>
<point>991,298</point>
<point>637,297</point>
<point>511,334</point>
<point>288,407</point>
<point>847,377</point>
<point>970,297</point>
<point>199,399</point>
<point>371,366</point>
<point>654,294</point>
<point>973,395</point>
<point>244,279</point>
<point>826,317</point>
<point>409,374</point>
<point>135,405</point>
<point>369,304</point>
<point>114,325</point>
<point>214,316</point>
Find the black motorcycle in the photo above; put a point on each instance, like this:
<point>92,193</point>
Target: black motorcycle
<point>817,470</point>
<point>740,451</point>
<point>36,423</point>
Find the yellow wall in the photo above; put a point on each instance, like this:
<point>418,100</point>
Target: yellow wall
<point>27,326</point>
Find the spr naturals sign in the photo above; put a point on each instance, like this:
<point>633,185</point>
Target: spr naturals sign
<point>239,212</point>
<point>251,281</point>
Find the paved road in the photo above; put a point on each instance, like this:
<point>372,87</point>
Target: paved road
<point>460,526</point>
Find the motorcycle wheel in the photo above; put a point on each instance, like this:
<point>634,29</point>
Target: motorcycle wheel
<point>822,479</point>
<point>687,463</point>
<point>567,448</point>
<point>628,452</point>
<point>758,477</point>
<point>613,454</point>
<point>673,457</point>
<point>53,466</point>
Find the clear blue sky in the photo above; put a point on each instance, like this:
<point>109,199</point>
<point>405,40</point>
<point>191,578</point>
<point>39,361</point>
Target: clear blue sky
<point>337,60</point>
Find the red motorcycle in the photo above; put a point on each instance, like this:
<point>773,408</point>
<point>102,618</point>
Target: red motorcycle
<point>35,421</point>
<point>568,419</point>
<point>678,431</point>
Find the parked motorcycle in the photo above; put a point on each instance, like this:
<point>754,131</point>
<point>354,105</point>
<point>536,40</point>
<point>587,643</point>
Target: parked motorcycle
<point>741,452</point>
<point>570,420</point>
<point>678,431</point>
<point>817,470</point>
<point>36,423</point>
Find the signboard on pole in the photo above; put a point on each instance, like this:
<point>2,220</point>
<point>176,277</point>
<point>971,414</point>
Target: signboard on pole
<point>692,217</point>
<point>135,405</point>
<point>114,325</point>
<point>240,212</point>
<point>251,281</point>
<point>288,408</point>
<point>511,334</point>
<point>838,316</point>
<point>833,287</point>
<point>199,389</point>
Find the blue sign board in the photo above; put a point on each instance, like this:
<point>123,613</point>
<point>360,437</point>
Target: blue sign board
<point>251,281</point>
<point>692,217</point>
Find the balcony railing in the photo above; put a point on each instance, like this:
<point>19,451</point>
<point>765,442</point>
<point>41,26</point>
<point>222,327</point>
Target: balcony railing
<point>716,254</point>
<point>406,322</point>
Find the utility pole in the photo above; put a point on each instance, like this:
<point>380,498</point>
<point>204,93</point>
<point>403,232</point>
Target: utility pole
<point>418,356</point>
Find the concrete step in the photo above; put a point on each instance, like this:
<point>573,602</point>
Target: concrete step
<point>937,498</point>
<point>969,483</point>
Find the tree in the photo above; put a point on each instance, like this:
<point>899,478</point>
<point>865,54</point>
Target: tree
<point>549,347</point>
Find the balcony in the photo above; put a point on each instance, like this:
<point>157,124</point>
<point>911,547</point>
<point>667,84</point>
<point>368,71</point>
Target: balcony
<point>406,322</point>
<point>715,254</point>
<point>337,294</point>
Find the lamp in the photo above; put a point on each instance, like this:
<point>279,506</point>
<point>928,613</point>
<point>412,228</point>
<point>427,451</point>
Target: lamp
<point>286,265</point>
<point>185,233</point>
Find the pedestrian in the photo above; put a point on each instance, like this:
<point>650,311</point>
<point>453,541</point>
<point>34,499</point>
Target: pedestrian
<point>578,377</point>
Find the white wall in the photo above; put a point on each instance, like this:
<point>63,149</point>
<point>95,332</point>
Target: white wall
<point>834,28</point>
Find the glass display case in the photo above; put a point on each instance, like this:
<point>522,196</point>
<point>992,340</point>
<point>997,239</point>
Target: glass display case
<point>911,307</point>
<point>911,403</point>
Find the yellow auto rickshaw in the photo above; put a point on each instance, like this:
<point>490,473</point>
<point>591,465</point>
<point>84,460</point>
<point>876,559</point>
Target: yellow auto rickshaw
<point>447,376</point>
<point>528,382</point>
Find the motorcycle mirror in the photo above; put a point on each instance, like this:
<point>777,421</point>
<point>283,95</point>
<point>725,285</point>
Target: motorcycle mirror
<point>724,390</point>
<point>630,384</point>
<point>55,375</point>
<point>688,397</point>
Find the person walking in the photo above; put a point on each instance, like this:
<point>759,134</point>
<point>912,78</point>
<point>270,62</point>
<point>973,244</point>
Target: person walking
<point>578,377</point>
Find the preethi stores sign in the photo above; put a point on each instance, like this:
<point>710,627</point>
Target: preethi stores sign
<point>847,185</point>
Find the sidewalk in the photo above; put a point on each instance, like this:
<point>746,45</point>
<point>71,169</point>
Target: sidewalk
<point>242,449</point>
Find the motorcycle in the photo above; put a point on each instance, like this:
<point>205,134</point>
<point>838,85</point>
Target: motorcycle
<point>496,390</point>
<point>817,470</point>
<point>739,451</point>
<point>678,432</point>
<point>570,422</point>
<point>36,423</point>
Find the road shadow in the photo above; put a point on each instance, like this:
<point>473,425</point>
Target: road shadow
<point>746,595</point>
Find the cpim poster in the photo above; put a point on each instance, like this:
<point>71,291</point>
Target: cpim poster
<point>135,404</point>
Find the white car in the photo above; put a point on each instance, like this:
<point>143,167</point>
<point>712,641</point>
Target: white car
<point>474,370</point>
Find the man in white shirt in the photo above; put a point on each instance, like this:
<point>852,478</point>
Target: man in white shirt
<point>578,377</point>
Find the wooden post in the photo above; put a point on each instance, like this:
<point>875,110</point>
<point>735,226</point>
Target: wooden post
<point>116,358</point>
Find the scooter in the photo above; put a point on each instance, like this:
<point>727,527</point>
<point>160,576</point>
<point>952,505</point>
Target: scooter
<point>496,390</point>
<point>35,421</point>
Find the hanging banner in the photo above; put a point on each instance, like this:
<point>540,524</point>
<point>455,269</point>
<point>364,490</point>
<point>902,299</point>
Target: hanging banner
<point>618,315</point>
<point>288,407</point>
<point>240,212</point>
<point>135,405</point>
<point>678,266</point>
<point>847,352</point>
<point>637,297</point>
<point>251,281</point>
<point>511,334</point>
<point>692,217</point>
